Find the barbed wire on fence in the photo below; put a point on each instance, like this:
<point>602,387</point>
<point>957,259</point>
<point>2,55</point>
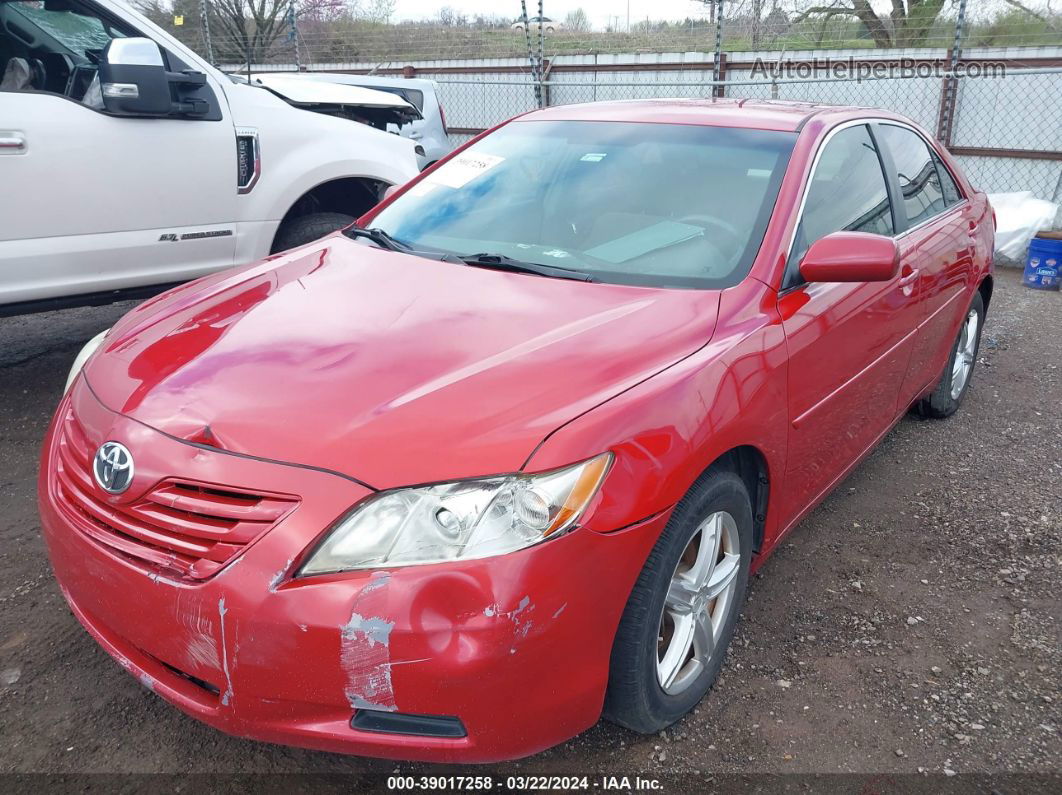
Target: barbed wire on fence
<point>332,31</point>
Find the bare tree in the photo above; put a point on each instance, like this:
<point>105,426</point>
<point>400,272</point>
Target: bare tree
<point>450,17</point>
<point>906,25</point>
<point>1052,24</point>
<point>577,21</point>
<point>379,11</point>
<point>322,10</point>
<point>252,25</point>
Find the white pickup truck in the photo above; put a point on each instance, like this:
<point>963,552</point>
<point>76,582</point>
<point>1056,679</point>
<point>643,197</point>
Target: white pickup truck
<point>127,162</point>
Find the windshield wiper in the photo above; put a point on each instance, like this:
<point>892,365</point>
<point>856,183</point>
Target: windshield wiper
<point>377,236</point>
<point>503,263</point>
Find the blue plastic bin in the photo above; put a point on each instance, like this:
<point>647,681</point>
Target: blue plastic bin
<point>1043,267</point>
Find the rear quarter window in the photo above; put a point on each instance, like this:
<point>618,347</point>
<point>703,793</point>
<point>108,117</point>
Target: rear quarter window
<point>923,196</point>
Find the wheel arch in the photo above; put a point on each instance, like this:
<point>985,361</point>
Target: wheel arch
<point>985,289</point>
<point>352,196</point>
<point>750,464</point>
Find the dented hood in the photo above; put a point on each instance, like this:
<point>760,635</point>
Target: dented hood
<point>389,368</point>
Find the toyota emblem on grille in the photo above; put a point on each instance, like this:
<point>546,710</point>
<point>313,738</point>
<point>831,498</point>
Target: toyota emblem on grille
<point>113,467</point>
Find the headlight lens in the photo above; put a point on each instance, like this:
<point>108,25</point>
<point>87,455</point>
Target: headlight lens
<point>459,521</point>
<point>82,357</point>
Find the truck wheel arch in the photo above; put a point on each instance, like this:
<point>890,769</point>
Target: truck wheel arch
<point>351,196</point>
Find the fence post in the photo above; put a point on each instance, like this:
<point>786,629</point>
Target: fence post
<point>717,69</point>
<point>531,54</point>
<point>541,55</point>
<point>205,17</point>
<point>295,34</point>
<point>949,93</point>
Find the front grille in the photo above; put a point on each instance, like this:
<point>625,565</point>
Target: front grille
<point>187,529</point>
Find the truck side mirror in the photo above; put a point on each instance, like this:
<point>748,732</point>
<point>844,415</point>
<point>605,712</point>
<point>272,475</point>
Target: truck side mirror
<point>133,78</point>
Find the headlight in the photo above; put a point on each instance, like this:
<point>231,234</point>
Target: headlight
<point>460,520</point>
<point>82,357</point>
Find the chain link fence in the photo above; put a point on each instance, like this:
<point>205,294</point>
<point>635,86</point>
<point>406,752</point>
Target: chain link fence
<point>344,31</point>
<point>984,75</point>
<point>1005,130</point>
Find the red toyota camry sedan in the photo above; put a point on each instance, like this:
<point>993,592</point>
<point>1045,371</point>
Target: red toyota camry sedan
<point>499,459</point>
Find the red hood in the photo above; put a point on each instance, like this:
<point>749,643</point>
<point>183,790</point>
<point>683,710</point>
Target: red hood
<point>390,368</point>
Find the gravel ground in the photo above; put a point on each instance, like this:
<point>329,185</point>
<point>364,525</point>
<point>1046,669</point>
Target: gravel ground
<point>910,625</point>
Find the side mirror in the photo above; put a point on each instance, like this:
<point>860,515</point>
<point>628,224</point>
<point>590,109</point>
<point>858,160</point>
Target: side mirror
<point>133,78</point>
<point>134,81</point>
<point>851,257</point>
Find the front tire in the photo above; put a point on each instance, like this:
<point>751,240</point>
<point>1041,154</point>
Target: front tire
<point>682,611</point>
<point>955,380</point>
<point>308,228</point>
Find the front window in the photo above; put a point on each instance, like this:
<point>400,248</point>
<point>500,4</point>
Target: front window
<point>54,46</point>
<point>847,193</point>
<point>665,205</point>
<point>80,33</point>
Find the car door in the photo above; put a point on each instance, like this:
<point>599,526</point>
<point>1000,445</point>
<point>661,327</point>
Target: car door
<point>937,241</point>
<point>848,343</point>
<point>90,201</point>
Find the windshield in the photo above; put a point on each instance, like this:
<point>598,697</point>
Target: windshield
<point>665,205</point>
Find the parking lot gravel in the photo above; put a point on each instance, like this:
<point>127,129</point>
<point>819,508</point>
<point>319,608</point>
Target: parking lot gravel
<point>911,625</point>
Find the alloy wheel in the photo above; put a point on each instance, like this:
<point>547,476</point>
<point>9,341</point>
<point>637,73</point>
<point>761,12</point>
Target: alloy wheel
<point>965,351</point>
<point>699,599</point>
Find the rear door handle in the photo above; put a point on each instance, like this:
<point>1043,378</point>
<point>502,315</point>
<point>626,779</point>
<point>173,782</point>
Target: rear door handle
<point>12,143</point>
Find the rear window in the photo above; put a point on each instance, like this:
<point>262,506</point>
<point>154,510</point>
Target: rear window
<point>660,204</point>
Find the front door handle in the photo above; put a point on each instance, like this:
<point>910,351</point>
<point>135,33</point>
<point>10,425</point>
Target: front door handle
<point>12,143</point>
<point>907,279</point>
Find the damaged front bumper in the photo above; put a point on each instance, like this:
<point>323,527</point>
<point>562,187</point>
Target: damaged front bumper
<point>514,648</point>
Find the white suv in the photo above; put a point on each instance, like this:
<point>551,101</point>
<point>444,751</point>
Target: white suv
<point>127,162</point>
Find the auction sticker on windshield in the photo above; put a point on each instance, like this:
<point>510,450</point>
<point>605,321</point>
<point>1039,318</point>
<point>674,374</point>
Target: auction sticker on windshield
<point>463,169</point>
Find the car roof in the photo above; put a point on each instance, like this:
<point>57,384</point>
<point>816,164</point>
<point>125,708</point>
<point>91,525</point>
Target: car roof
<point>763,114</point>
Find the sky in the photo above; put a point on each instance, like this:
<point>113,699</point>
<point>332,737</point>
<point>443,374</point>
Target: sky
<point>599,11</point>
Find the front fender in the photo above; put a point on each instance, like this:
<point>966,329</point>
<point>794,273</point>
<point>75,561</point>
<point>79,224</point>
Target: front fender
<point>301,149</point>
<point>667,430</point>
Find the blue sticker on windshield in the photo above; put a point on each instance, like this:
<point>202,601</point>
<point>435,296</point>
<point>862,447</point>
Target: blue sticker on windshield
<point>594,157</point>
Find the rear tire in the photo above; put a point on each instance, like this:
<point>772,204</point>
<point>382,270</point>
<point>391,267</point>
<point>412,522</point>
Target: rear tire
<point>955,380</point>
<point>308,228</point>
<point>652,682</point>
